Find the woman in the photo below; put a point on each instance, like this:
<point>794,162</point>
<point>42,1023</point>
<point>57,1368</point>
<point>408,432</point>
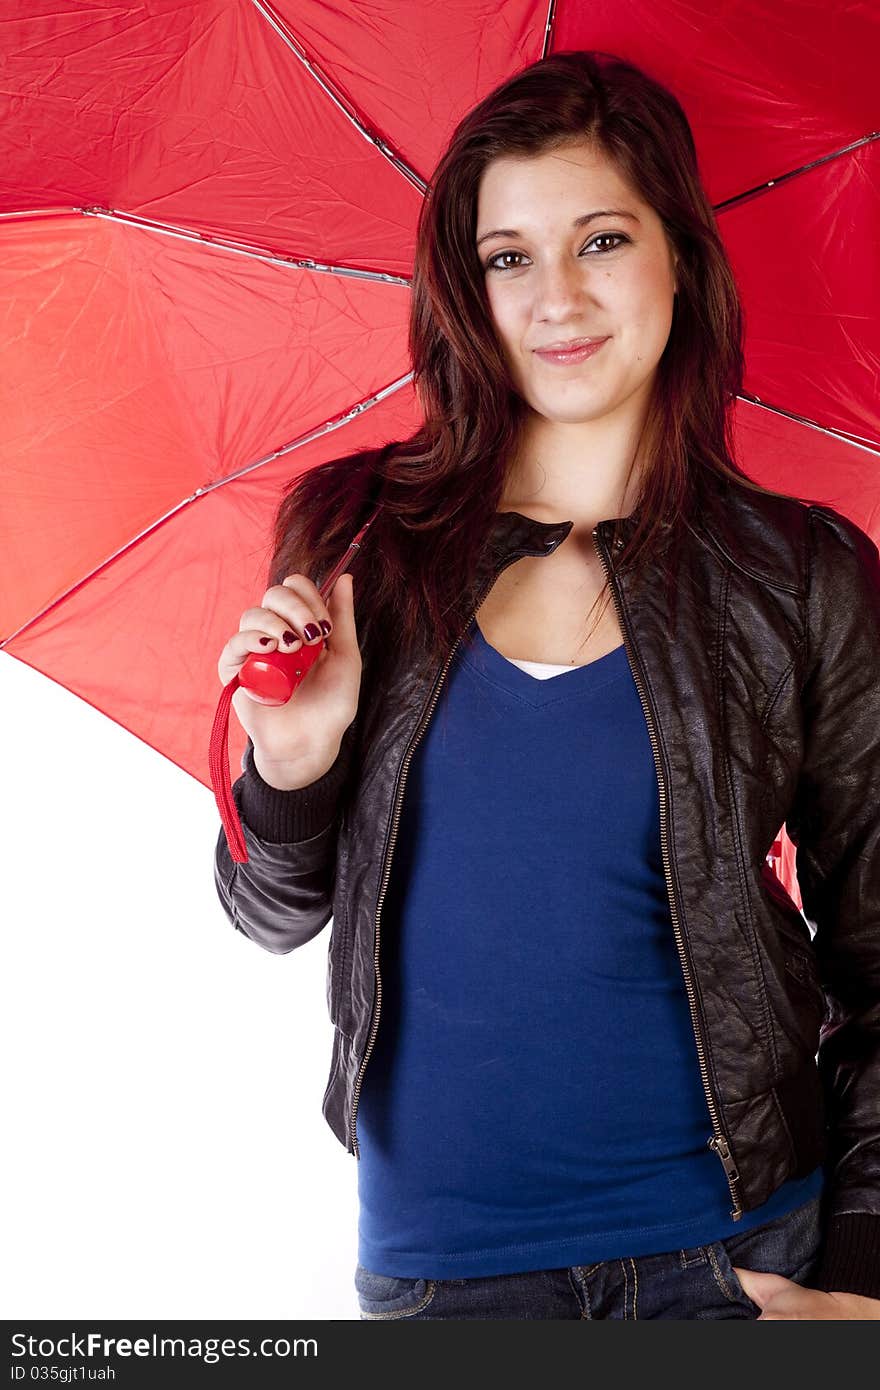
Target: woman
<point>576,1020</point>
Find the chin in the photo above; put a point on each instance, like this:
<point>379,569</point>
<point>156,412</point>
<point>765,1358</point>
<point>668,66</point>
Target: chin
<point>572,411</point>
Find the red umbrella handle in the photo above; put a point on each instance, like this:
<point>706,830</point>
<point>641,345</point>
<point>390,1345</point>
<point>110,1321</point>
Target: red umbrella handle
<point>271,679</point>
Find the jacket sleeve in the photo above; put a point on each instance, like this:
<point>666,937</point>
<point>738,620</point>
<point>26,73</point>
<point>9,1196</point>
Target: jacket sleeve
<point>835,826</point>
<point>282,896</point>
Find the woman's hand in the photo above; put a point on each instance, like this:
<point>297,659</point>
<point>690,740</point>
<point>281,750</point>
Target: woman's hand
<point>307,731</point>
<point>782,1299</point>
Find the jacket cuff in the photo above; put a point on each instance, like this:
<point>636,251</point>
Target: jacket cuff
<point>850,1258</point>
<point>283,817</point>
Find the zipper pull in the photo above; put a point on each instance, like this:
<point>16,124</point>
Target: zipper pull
<point>720,1146</point>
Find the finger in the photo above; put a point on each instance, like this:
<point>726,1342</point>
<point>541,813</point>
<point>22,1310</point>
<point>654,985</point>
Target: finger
<point>309,594</point>
<point>297,614</point>
<point>239,648</point>
<point>287,625</point>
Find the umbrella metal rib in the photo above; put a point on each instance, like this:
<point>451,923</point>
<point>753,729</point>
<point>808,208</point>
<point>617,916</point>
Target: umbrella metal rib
<point>338,99</point>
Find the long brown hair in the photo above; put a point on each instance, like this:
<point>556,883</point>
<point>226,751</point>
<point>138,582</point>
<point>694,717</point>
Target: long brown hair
<point>441,488</point>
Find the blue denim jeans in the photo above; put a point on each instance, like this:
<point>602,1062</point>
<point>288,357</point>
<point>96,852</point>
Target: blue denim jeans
<point>681,1284</point>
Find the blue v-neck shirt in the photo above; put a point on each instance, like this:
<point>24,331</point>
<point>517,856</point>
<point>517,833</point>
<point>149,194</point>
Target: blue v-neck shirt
<point>533,1098</point>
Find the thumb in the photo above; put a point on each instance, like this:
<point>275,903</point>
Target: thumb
<point>759,1285</point>
<point>340,606</point>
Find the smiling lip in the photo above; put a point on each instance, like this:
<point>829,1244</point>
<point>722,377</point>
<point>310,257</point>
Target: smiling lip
<point>576,354</point>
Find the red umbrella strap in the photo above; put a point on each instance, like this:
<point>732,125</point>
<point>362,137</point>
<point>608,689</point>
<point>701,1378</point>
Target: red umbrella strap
<point>218,759</point>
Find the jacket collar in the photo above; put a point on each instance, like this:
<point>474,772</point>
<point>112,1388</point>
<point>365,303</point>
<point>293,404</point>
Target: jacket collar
<point>513,534</point>
<point>731,516</point>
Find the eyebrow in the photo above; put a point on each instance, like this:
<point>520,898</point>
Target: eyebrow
<point>578,222</point>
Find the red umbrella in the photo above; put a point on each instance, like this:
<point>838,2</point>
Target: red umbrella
<point>209,216</point>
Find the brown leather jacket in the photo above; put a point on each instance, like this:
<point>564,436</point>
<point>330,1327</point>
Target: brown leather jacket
<point>764,709</point>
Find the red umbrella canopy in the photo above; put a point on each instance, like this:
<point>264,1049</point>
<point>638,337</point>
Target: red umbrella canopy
<point>209,216</point>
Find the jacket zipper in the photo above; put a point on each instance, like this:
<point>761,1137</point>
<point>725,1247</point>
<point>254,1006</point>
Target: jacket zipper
<point>387,866</point>
<point>718,1143</point>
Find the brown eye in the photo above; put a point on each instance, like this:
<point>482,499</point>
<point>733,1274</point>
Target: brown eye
<point>490,264</point>
<point>607,236</point>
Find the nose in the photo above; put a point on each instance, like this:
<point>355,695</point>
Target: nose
<point>559,289</point>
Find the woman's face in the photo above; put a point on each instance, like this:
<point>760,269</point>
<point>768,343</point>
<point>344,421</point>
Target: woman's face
<point>552,276</point>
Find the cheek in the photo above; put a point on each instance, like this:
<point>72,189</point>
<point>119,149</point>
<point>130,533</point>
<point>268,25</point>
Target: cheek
<point>646,327</point>
<point>653,300</point>
<point>506,316</point>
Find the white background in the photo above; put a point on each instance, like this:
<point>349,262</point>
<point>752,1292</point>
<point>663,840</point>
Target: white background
<point>165,1153</point>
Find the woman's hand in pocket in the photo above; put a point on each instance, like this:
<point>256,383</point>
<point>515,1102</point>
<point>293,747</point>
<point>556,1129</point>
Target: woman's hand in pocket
<point>782,1299</point>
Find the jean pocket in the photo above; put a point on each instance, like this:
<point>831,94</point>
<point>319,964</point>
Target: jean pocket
<point>391,1295</point>
<point>789,1246</point>
<point>724,1276</point>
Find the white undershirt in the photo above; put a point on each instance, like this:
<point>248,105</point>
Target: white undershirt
<point>540,669</point>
